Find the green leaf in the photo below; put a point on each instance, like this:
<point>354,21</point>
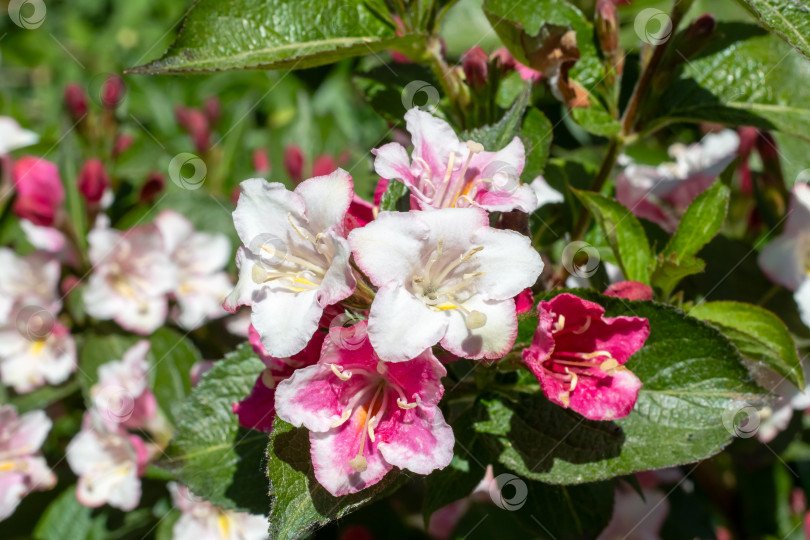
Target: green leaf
<point>596,119</point>
<point>44,396</point>
<point>211,454</point>
<point>692,378</point>
<point>390,96</point>
<point>501,133</point>
<point>701,222</point>
<point>744,77</point>
<point>624,233</point>
<point>396,197</point>
<point>67,519</point>
<point>789,19</point>
<point>276,34</point>
<point>669,271</point>
<point>300,503</point>
<point>537,134</point>
<point>759,334</point>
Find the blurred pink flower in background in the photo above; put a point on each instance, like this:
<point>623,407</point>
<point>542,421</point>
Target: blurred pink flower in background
<point>201,520</point>
<point>40,193</point>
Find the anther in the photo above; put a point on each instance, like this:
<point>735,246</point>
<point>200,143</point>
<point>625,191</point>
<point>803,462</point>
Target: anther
<point>339,373</point>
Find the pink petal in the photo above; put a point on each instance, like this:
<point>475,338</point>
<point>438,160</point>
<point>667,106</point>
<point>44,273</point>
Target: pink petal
<point>630,290</point>
<point>524,301</point>
<point>416,439</point>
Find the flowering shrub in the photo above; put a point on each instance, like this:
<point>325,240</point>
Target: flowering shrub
<point>478,269</point>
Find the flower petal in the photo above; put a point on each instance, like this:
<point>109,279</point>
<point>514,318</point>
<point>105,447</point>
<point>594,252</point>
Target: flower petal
<point>417,439</point>
<point>433,140</point>
<point>286,321</point>
<point>392,162</point>
<point>493,340</point>
<point>263,207</point>
<point>782,261</point>
<point>326,199</point>
<point>605,397</point>
<point>339,281</point>
<point>509,262</point>
<point>246,291</point>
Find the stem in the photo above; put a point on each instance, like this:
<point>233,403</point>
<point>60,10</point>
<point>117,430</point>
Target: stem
<point>598,183</point>
<point>443,74</point>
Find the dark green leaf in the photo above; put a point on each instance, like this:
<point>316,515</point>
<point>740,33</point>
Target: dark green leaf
<point>759,334</point>
<point>500,134</point>
<point>211,454</point>
<point>389,94</point>
<point>67,519</point>
<point>300,503</point>
<point>275,34</point>
<point>701,222</point>
<point>537,133</point>
<point>44,396</point>
<point>624,233</point>
<point>789,19</point>
<point>692,378</point>
<point>396,197</point>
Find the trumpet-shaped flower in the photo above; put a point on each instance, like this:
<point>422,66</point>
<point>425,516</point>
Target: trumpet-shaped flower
<point>294,261</point>
<point>257,411</point>
<point>201,520</point>
<point>22,468</point>
<point>200,258</point>
<point>786,260</point>
<point>578,355</point>
<point>108,463</point>
<point>132,276</point>
<point>122,395</point>
<point>443,172</point>
<point>31,357</point>
<point>443,276</point>
<point>366,416</point>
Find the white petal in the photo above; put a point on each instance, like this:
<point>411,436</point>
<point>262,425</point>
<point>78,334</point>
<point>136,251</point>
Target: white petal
<point>545,193</point>
<point>263,208</point>
<point>493,340</point>
<point>174,228</point>
<point>783,261</point>
<point>286,321</point>
<point>509,262</point>
<point>802,297</point>
<point>327,199</point>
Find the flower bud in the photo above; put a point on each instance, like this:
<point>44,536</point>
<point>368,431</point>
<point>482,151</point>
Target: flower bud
<point>155,182</point>
<point>213,110</point>
<point>630,290</point>
<point>113,91</point>
<point>476,67</point>
<point>324,164</point>
<point>607,26</point>
<point>93,180</point>
<point>261,162</point>
<point>122,143</point>
<point>40,193</point>
<point>75,100</point>
<point>195,123</point>
<point>294,162</point>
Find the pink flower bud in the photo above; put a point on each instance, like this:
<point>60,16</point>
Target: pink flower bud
<point>324,164</point>
<point>40,193</point>
<point>607,26</point>
<point>93,180</point>
<point>630,290</point>
<point>75,100</point>
<point>476,67</point>
<point>195,123</point>
<point>113,91</point>
<point>154,184</point>
<point>261,162</point>
<point>68,284</point>
<point>294,162</point>
<point>213,110</point>
<point>122,143</point>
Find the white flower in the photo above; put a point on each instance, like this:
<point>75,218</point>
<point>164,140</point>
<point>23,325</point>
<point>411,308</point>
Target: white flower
<point>200,520</point>
<point>132,276</point>
<point>200,258</point>
<point>294,261</point>
<point>22,469</point>
<point>12,136</point>
<point>443,276</point>
<point>30,280</point>
<point>107,464</point>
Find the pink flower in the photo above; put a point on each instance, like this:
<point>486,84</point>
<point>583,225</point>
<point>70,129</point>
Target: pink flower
<point>294,261</point>
<point>201,520</point>
<point>22,468</point>
<point>122,395</point>
<point>200,258</point>
<point>132,277</point>
<point>32,357</point>
<point>40,193</point>
<point>257,411</point>
<point>578,356</point>
<point>108,463</point>
<point>366,416</point>
<point>443,276</point>
<point>443,172</point>
<point>662,194</point>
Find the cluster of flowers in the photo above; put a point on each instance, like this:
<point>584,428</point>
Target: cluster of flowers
<point>348,306</point>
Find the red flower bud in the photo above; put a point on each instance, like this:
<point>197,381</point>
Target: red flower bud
<point>122,143</point>
<point>261,162</point>
<point>324,164</point>
<point>75,100</point>
<point>476,67</point>
<point>213,110</point>
<point>93,180</point>
<point>155,182</point>
<point>113,91</point>
<point>195,123</point>
<point>294,162</point>
<point>40,193</point>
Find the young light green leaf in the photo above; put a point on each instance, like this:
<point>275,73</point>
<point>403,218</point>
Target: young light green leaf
<point>788,19</point>
<point>396,197</point>
<point>701,222</point>
<point>694,382</point>
<point>759,334</point>
<point>211,454</point>
<point>246,34</point>
<point>300,504</point>
<point>624,233</point>
<point>669,271</point>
